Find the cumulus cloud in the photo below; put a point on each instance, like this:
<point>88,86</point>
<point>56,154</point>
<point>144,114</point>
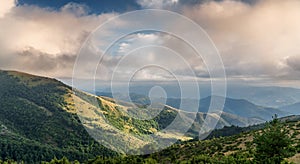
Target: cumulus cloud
<point>45,41</point>
<point>77,9</point>
<point>254,39</point>
<point>137,40</point>
<point>6,6</point>
<point>257,40</point>
<point>35,60</point>
<point>293,62</point>
<point>151,56</point>
<point>157,4</point>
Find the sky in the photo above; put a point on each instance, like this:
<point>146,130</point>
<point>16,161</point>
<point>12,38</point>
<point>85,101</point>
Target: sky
<point>258,41</point>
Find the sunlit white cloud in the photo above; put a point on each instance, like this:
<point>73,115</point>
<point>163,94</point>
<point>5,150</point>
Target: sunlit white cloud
<point>31,36</point>
<point>254,39</point>
<point>137,40</point>
<point>157,4</point>
<point>6,6</point>
<point>75,8</point>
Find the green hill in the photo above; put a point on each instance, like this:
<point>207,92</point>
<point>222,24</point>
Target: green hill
<point>36,125</point>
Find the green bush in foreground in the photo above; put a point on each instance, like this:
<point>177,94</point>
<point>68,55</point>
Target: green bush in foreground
<point>273,144</point>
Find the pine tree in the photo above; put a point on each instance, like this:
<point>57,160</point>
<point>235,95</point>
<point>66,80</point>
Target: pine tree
<point>273,143</point>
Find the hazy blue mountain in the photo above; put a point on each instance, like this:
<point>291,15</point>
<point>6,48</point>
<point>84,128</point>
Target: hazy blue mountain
<point>238,107</point>
<point>265,96</point>
<point>244,108</point>
<point>294,108</point>
<point>270,96</point>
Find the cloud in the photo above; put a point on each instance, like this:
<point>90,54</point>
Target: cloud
<point>151,55</point>
<point>45,41</point>
<point>75,8</point>
<point>293,62</point>
<point>157,4</point>
<point>35,60</point>
<point>6,6</point>
<point>254,39</point>
<point>137,40</point>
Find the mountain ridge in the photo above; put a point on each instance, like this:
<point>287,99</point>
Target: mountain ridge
<point>293,108</point>
<point>231,106</point>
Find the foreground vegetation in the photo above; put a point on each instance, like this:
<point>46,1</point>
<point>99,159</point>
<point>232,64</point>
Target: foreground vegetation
<point>273,144</point>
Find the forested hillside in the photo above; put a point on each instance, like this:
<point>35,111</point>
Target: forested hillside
<point>36,126</point>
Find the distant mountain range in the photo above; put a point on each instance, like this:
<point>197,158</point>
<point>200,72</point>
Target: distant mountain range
<point>244,108</point>
<point>267,96</point>
<point>293,108</point>
<point>238,107</point>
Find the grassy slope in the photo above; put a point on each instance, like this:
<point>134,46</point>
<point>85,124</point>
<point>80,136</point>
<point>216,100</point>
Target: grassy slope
<point>231,149</point>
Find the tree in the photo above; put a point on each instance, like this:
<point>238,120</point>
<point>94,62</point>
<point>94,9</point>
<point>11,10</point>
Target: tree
<point>273,143</point>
